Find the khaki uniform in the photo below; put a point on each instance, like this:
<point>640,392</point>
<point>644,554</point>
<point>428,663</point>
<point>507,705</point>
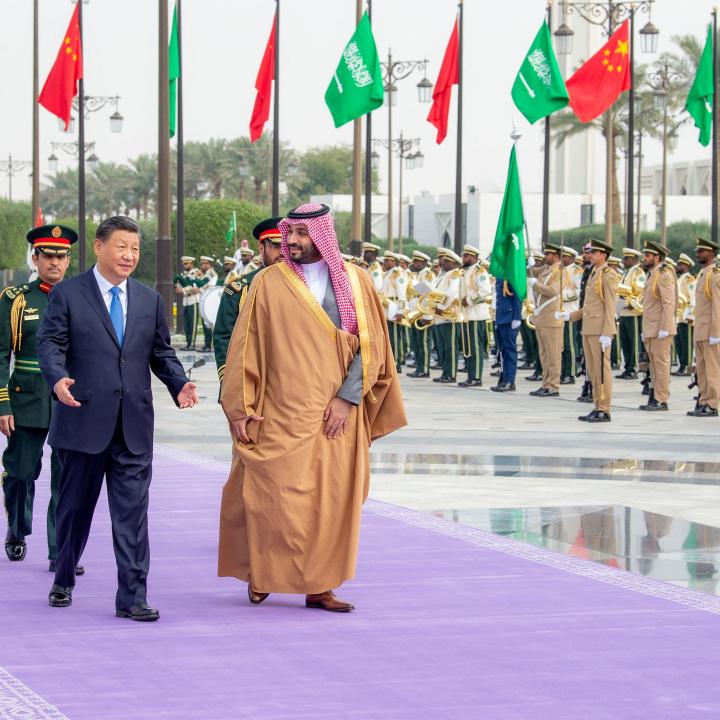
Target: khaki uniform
<point>598,318</point>
<point>548,328</point>
<point>707,325</point>
<point>659,303</point>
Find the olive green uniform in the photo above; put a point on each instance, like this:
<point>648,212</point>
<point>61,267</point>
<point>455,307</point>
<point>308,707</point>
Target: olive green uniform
<point>233,296</point>
<point>25,396</point>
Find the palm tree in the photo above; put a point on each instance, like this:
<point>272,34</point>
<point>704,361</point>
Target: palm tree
<point>60,196</point>
<point>143,183</point>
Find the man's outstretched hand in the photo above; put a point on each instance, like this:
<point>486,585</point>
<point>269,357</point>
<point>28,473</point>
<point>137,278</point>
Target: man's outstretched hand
<point>188,396</point>
<point>239,427</point>
<point>62,391</point>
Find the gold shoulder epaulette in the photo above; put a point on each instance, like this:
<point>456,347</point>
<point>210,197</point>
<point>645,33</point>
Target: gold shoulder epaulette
<point>10,291</point>
<point>233,287</point>
<point>606,269</point>
<point>456,273</point>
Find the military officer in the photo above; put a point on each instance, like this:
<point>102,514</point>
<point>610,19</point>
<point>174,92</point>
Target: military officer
<point>659,328</point>
<point>597,312</point>
<point>630,312</point>
<point>685,314</point>
<point>475,296</point>
<point>185,286</point>
<point>229,270</point>
<point>25,404</point>
<point>707,330</point>
<point>448,316</point>
<point>394,300</point>
<point>585,259</point>
<point>374,266</point>
<point>268,237</point>
<point>420,337</point>
<point>571,302</point>
<point>548,281</point>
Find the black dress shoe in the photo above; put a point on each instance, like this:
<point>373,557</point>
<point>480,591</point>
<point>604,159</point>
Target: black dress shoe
<point>627,375</point>
<point>79,569</point>
<point>583,418</point>
<point>419,375</point>
<point>496,373</point>
<point>15,548</point>
<point>60,596</point>
<point>598,416</point>
<point>654,406</point>
<point>680,372</point>
<point>142,613</point>
<point>445,380</point>
<point>534,377</point>
<point>439,379</point>
<point>525,366</point>
<point>703,411</point>
<point>568,380</point>
<point>503,387</point>
<point>645,390</point>
<point>470,383</point>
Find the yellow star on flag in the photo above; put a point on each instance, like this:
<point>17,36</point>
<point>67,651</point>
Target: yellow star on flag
<point>606,53</point>
<point>622,47</point>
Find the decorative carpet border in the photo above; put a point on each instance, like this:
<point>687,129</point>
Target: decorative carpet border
<point>481,538</point>
<point>19,702</point>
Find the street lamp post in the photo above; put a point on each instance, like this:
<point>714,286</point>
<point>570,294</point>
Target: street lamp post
<point>402,147</point>
<point>11,168</point>
<point>393,72</point>
<point>664,82</point>
<point>609,15</point>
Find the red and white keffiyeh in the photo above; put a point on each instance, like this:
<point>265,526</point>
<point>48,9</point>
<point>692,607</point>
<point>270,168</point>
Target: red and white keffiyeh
<point>322,233</point>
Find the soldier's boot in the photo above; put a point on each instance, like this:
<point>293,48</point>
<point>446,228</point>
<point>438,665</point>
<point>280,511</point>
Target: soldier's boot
<point>15,548</point>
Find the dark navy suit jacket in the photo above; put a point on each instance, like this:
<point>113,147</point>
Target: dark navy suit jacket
<point>77,340</point>
<point>507,308</point>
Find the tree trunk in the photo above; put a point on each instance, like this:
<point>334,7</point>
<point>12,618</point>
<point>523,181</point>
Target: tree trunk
<point>258,190</point>
<point>616,209</point>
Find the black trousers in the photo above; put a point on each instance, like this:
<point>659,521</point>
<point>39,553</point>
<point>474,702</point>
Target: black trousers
<point>208,336</point>
<point>190,319</point>
<point>629,330</point>
<point>22,462</point>
<point>128,484</point>
<point>684,345</point>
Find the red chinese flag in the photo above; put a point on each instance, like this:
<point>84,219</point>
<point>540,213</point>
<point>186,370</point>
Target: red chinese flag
<point>39,219</point>
<point>263,85</point>
<point>61,85</point>
<point>449,75</point>
<point>599,82</point>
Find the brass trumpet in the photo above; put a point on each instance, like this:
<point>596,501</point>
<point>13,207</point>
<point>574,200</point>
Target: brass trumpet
<point>529,309</point>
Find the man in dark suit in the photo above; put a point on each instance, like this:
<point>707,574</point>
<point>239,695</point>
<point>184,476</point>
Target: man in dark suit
<point>508,316</point>
<point>100,337</point>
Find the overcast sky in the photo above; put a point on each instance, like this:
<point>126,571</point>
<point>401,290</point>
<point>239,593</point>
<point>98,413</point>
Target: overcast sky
<point>223,45</point>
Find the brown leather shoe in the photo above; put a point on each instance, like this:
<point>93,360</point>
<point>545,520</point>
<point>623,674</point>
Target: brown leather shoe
<point>328,601</point>
<point>255,597</point>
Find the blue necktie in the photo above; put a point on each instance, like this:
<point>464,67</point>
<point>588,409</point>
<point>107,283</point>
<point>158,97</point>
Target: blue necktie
<point>116,314</point>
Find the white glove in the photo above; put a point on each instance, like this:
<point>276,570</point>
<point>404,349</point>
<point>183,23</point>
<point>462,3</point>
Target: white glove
<point>714,341</point>
<point>687,314</point>
<point>605,342</point>
<point>515,324</point>
<point>562,315</point>
<point>662,334</point>
<point>531,262</point>
<point>532,281</point>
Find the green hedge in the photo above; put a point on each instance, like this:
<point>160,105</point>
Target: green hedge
<point>14,223</point>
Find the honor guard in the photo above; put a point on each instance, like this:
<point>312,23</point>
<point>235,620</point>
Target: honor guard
<point>507,323</point>
<point>374,266</point>
<point>207,279</point>
<point>185,286</point>
<point>630,311</point>
<point>571,302</point>
<point>25,404</point>
<point>448,315</point>
<point>475,297</point>
<point>685,314</point>
<point>659,327</point>
<point>420,329</point>
<point>707,330</point>
<point>394,299</point>
<point>528,332</point>
<point>597,313</point>
<point>268,237</point>
<point>585,261</point>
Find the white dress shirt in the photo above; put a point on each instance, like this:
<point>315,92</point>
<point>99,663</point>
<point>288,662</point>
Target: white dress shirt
<point>106,286</point>
<point>317,275</point>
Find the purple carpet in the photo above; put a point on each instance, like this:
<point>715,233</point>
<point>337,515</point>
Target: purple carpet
<point>451,623</point>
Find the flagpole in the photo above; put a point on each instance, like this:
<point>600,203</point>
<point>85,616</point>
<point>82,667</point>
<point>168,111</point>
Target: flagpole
<point>458,160</point>
<point>276,117</point>
<point>714,229</point>
<point>35,121</point>
<point>630,192</point>
<point>546,159</point>
<point>367,234</point>
<point>515,136</point>
<point>356,166</point>
<point>180,213</point>
<point>81,152</point>
<point>163,258</point>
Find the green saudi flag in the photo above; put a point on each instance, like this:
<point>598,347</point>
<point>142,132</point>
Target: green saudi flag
<point>357,86</point>
<point>539,89</point>
<point>700,98</point>
<point>231,231</point>
<point>508,253</point>
<point>174,71</point>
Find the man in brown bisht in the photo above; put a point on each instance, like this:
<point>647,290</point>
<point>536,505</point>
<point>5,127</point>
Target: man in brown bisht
<point>310,382</point>
<point>597,314</point>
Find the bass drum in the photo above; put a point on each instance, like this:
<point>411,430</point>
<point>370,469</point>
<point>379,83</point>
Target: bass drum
<point>210,304</point>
